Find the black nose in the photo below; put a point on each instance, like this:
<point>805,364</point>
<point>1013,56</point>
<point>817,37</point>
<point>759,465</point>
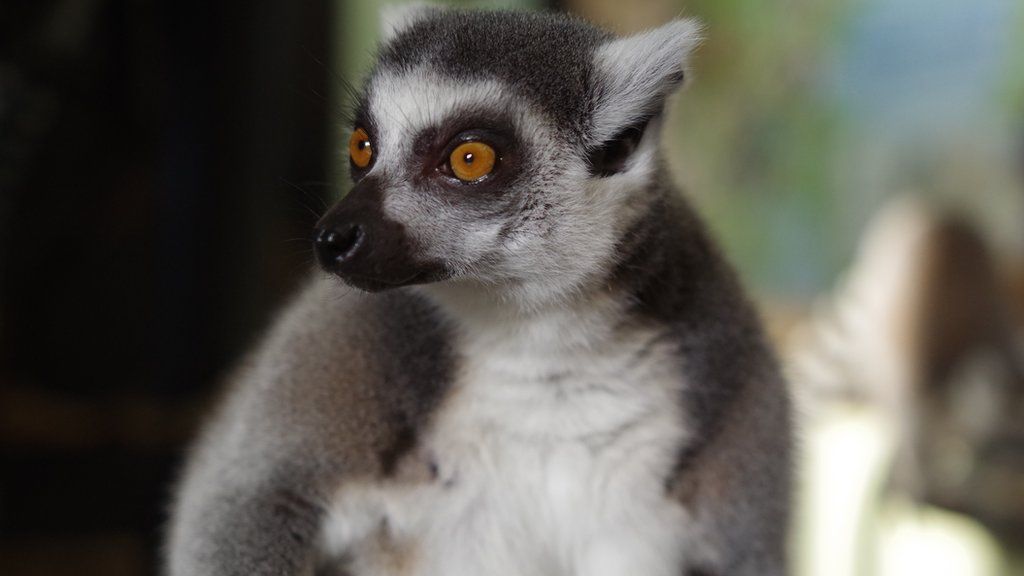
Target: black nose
<point>338,244</point>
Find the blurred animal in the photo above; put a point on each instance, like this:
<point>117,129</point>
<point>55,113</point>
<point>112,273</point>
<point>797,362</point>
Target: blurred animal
<point>923,327</point>
<point>545,366</point>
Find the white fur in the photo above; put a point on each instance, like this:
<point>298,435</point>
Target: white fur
<point>637,72</point>
<point>552,453</point>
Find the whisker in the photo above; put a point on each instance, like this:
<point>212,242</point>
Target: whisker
<point>308,194</point>
<point>346,86</point>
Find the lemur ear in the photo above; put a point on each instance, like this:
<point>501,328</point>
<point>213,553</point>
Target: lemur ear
<point>635,74</point>
<point>396,18</point>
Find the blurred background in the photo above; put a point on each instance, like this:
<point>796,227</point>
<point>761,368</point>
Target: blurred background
<point>862,161</point>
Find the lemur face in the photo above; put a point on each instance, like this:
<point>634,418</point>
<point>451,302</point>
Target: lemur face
<point>508,150</point>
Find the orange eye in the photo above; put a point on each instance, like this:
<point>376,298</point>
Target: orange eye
<point>472,161</point>
<point>359,148</point>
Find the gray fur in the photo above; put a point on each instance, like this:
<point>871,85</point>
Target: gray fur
<point>347,385</point>
<point>335,389</point>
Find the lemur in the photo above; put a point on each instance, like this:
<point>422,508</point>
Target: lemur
<point>535,361</point>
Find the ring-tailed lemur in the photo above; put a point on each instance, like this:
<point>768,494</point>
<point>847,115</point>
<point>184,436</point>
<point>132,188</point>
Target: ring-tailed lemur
<point>548,368</point>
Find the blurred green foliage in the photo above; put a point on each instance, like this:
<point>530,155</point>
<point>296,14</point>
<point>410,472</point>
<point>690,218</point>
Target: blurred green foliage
<point>755,137</point>
<point>1015,69</point>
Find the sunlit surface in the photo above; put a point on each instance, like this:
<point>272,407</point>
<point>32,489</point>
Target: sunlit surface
<point>929,541</point>
<point>847,527</point>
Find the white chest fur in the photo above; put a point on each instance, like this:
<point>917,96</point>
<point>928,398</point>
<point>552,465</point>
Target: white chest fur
<point>551,457</point>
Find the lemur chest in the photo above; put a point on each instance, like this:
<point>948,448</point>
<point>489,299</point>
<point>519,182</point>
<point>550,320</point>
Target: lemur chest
<point>537,464</point>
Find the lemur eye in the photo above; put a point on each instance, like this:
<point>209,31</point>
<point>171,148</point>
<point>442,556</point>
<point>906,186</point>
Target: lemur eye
<point>472,161</point>
<point>360,150</point>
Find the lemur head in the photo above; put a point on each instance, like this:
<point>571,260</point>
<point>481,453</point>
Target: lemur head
<point>505,151</point>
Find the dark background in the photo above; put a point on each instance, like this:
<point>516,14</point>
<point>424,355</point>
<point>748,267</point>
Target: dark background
<point>157,160</point>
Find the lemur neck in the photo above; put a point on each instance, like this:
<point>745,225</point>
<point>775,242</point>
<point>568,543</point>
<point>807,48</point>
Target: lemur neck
<point>587,321</point>
<point>611,304</point>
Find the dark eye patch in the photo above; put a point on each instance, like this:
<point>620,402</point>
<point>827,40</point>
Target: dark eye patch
<point>611,157</point>
<point>433,145</point>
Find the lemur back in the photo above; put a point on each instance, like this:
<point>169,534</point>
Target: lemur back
<point>540,364</point>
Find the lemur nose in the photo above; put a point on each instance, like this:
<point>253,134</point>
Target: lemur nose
<point>336,245</point>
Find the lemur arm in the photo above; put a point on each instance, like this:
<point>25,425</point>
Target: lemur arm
<point>237,517</point>
<point>255,492</point>
<point>736,480</point>
<point>303,415</point>
<point>733,476</point>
